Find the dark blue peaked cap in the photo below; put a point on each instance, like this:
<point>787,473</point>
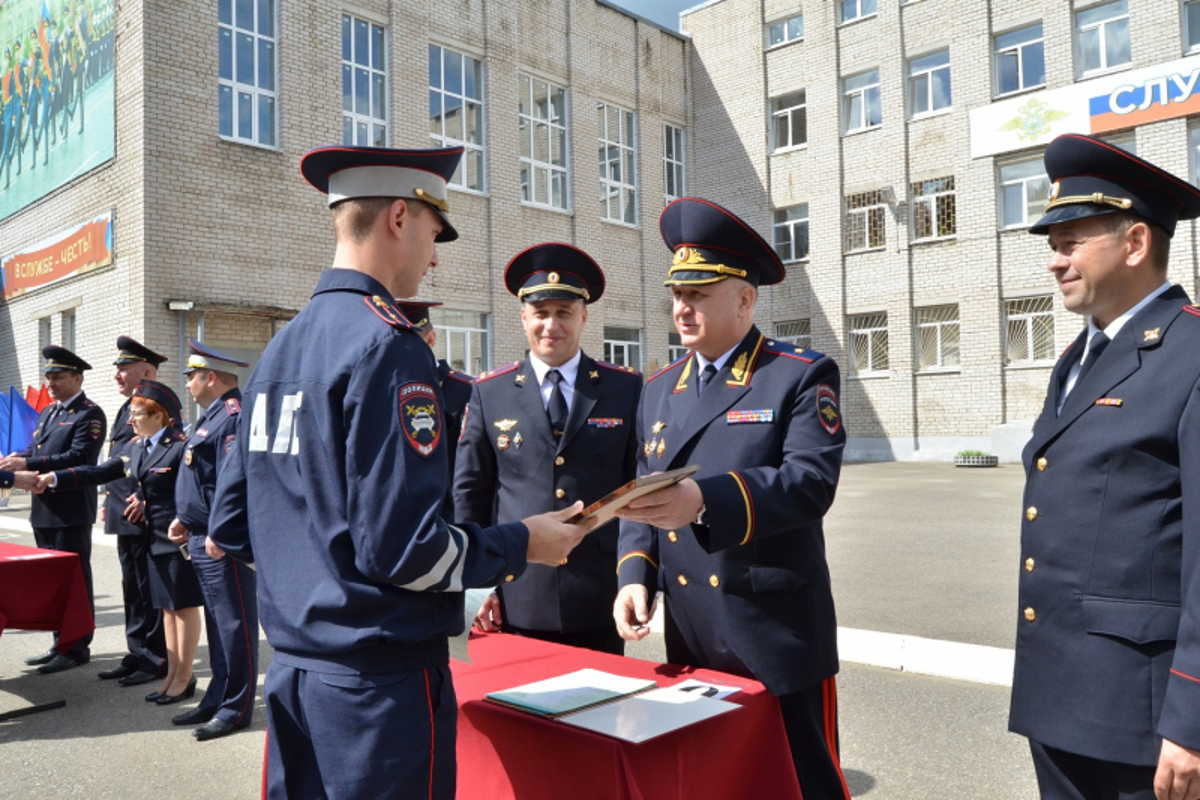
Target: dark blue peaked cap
<point>417,311</point>
<point>201,356</point>
<point>161,394</point>
<point>1092,178</point>
<point>711,244</point>
<point>346,173</point>
<point>131,351</point>
<point>554,271</point>
<point>60,359</point>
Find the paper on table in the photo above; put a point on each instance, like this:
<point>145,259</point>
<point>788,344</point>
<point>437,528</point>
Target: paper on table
<point>646,716</point>
<point>472,600</point>
<point>717,691</point>
<point>570,692</point>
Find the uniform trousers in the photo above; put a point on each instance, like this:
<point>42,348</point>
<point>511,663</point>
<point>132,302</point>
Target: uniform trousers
<point>1067,776</point>
<point>75,539</point>
<point>345,737</point>
<point>604,640</point>
<point>231,625</point>
<point>144,634</point>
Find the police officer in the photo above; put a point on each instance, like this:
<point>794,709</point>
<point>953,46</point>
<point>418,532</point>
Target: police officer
<point>229,586</point>
<point>740,551</point>
<point>1107,679</point>
<point>333,487</point>
<point>455,385</point>
<point>69,433</point>
<point>146,660</point>
<point>543,433</point>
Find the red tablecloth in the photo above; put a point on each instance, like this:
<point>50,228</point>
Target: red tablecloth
<point>43,590</point>
<point>505,754</point>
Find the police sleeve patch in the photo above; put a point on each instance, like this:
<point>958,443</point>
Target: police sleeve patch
<point>95,429</point>
<point>420,417</point>
<point>229,440</point>
<point>827,409</point>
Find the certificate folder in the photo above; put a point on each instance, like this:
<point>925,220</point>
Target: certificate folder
<point>571,692</point>
<point>606,508</point>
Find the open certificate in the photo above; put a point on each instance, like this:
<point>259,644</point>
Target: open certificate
<point>571,692</point>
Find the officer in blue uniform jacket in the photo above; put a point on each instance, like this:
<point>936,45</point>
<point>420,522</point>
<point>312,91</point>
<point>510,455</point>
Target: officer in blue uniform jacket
<point>147,657</point>
<point>229,586</point>
<point>455,386</point>
<point>1107,678</point>
<point>333,487</point>
<point>543,433</point>
<point>69,433</point>
<point>739,552</point>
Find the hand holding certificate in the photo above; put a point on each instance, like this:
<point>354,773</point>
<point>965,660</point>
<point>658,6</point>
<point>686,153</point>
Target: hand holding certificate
<point>609,506</point>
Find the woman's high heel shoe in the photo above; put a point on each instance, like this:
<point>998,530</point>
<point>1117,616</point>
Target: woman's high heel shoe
<point>153,696</point>
<point>186,694</point>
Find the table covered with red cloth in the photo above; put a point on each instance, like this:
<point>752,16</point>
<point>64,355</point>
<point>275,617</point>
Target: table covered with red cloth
<point>43,590</point>
<point>505,754</point>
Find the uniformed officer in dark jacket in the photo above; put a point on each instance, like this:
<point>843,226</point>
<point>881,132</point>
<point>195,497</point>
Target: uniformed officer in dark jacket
<point>739,552</point>
<point>541,434</point>
<point>229,586</point>
<point>1107,680</point>
<point>333,487</point>
<point>147,657</point>
<point>455,385</point>
<point>69,433</point>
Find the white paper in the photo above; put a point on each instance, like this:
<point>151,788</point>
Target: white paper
<point>645,716</point>
<point>570,691</point>
<point>717,691</point>
<point>472,600</point>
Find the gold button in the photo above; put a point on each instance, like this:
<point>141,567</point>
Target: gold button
<point>682,580</point>
<point>1029,565</point>
<point>558,462</point>
<point>1030,513</point>
<point>674,537</point>
<point>560,494</point>
<point>1042,464</point>
<point>508,578</point>
<point>714,581</point>
<point>1030,615</point>
<point>562,563</point>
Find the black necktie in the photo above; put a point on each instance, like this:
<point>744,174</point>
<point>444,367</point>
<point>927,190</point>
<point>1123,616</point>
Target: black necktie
<point>557,408</point>
<point>707,375</point>
<point>1095,348</point>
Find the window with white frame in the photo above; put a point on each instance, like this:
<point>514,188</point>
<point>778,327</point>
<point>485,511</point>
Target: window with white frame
<point>782,31</point>
<point>1029,330</point>
<point>1191,25</point>
<point>618,178</point>
<point>462,339</point>
<point>44,334</point>
<point>789,121</point>
<point>1024,188</point>
<point>861,106</point>
<point>1020,60</point>
<point>674,185</point>
<point>1102,37</point>
<point>246,92</point>
<point>542,119</point>
<point>1194,151</point>
<point>868,343</point>
<point>456,111</point>
<point>929,83</point>
<point>791,232</point>
<point>675,348</point>
<point>866,217</point>
<point>1125,141</point>
<point>937,337</point>
<point>623,346</point>
<point>933,208</point>
<point>850,10</point>
<point>67,321</point>
<point>364,83</point>
<point>795,331</point>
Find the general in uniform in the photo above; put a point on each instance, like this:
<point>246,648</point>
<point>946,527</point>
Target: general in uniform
<point>1107,679</point>
<point>543,433</point>
<point>739,552</point>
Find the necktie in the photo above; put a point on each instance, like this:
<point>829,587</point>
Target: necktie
<point>707,375</point>
<point>1095,348</point>
<point>557,408</point>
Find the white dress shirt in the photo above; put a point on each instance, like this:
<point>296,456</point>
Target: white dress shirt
<point>569,372</point>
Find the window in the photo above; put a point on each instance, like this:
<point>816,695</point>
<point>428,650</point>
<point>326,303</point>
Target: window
<point>861,108</point>
<point>623,346</point>
<point>462,339</point>
<point>542,117</point>
<point>1025,188</point>
<point>850,10</point>
<point>1020,60</point>
<point>675,348</point>
<point>933,208</point>
<point>1030,330</point>
<point>618,186</point>
<point>1103,37</point>
<point>1194,152</point>
<point>796,331</point>
<point>937,337</point>
<point>68,329</point>
<point>789,121</point>
<point>674,185</point>
<point>1125,141</point>
<point>865,217</point>
<point>929,83</point>
<point>364,83</point>
<point>868,343</point>
<point>785,30</point>
<point>456,111</point>
<point>791,232</point>
<point>1191,25</point>
<point>246,82</point>
<point>44,336</point>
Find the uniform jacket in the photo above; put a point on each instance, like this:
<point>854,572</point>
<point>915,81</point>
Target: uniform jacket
<point>1108,632</point>
<point>73,439</point>
<point>335,483</point>
<point>749,590</point>
<point>456,390</point>
<point>155,478</point>
<point>115,493</point>
<point>510,467</point>
<point>211,440</point>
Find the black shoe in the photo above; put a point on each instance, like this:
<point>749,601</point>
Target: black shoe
<point>138,678</point>
<point>214,729</point>
<point>197,716</point>
<point>119,671</point>
<point>153,697</point>
<point>59,664</point>
<point>186,694</point>
<point>44,658</point>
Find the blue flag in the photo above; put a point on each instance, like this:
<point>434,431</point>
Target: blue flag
<point>17,421</point>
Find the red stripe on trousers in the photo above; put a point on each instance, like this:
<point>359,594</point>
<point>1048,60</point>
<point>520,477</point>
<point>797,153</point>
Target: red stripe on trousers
<point>429,697</point>
<point>829,691</point>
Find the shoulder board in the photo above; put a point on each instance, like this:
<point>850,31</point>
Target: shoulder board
<point>88,403</point>
<point>1193,310</point>
<point>179,436</point>
<point>387,312</point>
<point>232,406</point>
<point>487,376</point>
<point>617,368</point>
<point>461,377</point>
<point>792,351</point>
<point>667,368</point>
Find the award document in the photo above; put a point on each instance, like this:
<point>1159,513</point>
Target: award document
<point>605,509</point>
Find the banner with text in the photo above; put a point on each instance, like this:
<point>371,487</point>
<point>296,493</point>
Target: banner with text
<point>83,248</point>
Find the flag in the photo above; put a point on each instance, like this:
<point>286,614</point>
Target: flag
<point>38,399</point>
<point>17,421</point>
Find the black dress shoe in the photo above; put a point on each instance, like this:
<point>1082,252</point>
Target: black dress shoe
<point>153,697</point>
<point>119,671</point>
<point>138,678</point>
<point>171,699</point>
<point>44,658</point>
<point>58,664</point>
<point>214,729</point>
<point>197,716</point>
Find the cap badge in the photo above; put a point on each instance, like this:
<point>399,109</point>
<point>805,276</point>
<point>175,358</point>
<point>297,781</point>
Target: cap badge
<point>552,278</point>
<point>688,255</point>
<point>1054,187</point>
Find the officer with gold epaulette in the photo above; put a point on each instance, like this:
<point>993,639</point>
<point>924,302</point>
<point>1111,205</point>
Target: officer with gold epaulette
<point>1107,680</point>
<point>739,552</point>
<point>543,433</point>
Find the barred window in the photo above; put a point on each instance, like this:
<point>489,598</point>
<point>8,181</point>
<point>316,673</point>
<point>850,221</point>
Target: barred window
<point>1029,326</point>
<point>789,121</point>
<point>246,79</point>
<point>866,215</point>
<point>868,343</point>
<point>937,336</point>
<point>456,111</point>
<point>933,208</point>
<point>364,83</point>
<point>618,184</point>
<point>791,232</point>
<point>542,118</point>
<point>795,331</point>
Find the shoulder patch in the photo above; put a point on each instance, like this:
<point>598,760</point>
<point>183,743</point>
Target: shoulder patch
<point>617,368</point>
<point>387,312</point>
<point>461,377</point>
<point>668,368</point>
<point>792,351</point>
<point>1193,310</point>
<point>232,406</point>
<point>487,376</point>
